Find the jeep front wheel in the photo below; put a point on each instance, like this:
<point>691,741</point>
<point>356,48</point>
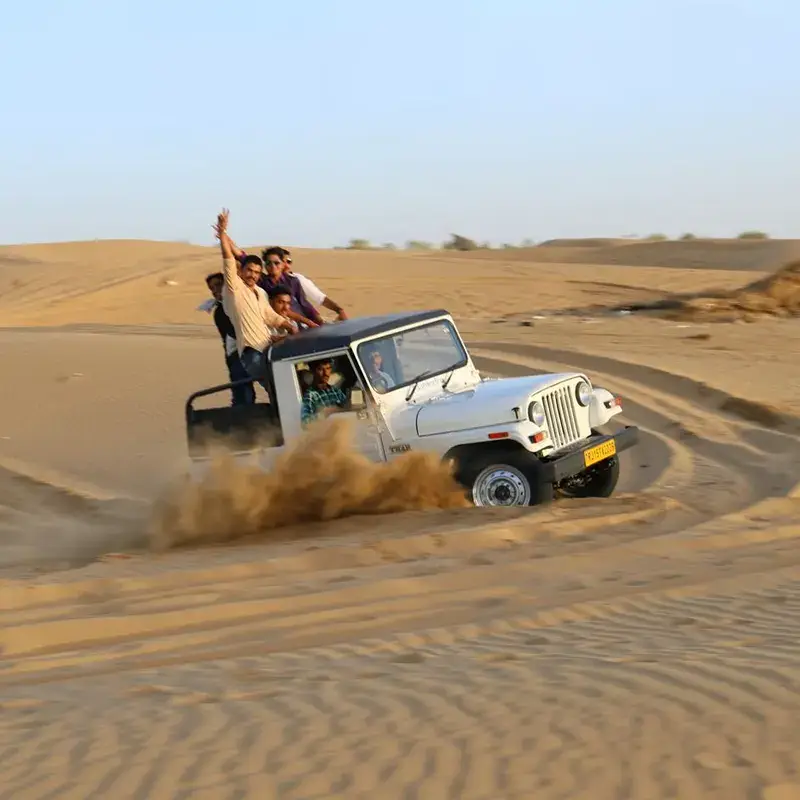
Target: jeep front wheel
<point>503,480</point>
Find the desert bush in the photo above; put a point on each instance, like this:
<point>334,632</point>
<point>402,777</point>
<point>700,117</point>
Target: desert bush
<point>414,244</point>
<point>753,235</point>
<point>688,237</point>
<point>461,243</point>
<point>657,237</point>
<point>359,244</point>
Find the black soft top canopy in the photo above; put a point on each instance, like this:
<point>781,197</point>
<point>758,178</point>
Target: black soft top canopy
<point>339,335</point>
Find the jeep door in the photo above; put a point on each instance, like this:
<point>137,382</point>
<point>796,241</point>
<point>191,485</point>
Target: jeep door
<point>360,410</point>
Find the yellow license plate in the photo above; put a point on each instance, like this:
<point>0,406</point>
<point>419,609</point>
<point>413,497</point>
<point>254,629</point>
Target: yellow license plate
<point>600,453</point>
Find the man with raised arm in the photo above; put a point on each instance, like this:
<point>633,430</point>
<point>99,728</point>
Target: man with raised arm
<point>247,306</point>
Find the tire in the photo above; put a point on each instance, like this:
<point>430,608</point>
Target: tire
<point>599,480</point>
<point>503,479</point>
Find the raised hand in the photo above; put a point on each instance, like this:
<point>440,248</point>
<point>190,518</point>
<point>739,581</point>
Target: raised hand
<point>221,226</point>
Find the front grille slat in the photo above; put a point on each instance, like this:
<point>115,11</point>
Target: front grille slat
<point>553,419</point>
<point>562,419</point>
<point>563,415</point>
<point>561,432</point>
<point>571,417</point>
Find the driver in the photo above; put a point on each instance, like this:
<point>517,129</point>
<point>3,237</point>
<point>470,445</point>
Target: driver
<point>321,399</point>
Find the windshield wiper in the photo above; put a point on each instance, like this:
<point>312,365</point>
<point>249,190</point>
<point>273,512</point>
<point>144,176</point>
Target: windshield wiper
<point>448,378</point>
<point>413,388</point>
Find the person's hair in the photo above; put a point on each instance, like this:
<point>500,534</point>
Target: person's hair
<point>319,362</point>
<point>214,276</point>
<point>272,251</point>
<point>251,259</point>
<point>278,291</point>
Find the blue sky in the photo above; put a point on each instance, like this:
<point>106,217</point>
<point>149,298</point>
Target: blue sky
<point>316,122</point>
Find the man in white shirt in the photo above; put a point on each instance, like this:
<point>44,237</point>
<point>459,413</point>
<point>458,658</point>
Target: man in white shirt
<point>247,306</point>
<point>314,294</point>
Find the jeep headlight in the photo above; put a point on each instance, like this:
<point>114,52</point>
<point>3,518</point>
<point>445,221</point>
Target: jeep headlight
<point>583,393</point>
<point>536,413</point>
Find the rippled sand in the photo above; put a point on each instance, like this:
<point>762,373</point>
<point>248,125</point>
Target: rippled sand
<point>644,646</point>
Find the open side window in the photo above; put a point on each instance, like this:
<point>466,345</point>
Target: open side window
<point>343,376</point>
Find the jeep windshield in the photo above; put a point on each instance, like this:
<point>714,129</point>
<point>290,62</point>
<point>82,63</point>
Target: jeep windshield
<point>401,359</point>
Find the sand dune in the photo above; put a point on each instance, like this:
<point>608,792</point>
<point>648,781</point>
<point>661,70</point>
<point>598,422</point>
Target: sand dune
<point>643,646</point>
<point>143,284</point>
<point>703,254</point>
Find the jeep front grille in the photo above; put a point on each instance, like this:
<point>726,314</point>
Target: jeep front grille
<point>562,422</point>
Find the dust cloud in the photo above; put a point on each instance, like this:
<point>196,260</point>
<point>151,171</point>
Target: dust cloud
<point>52,529</point>
<point>320,478</point>
<point>777,295</point>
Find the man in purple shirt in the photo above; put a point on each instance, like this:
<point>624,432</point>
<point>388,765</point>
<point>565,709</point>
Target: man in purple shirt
<point>275,275</point>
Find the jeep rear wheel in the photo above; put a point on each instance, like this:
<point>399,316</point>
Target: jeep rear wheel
<point>504,479</point>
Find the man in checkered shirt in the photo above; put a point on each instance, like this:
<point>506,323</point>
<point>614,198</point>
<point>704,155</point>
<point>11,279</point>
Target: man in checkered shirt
<point>321,398</point>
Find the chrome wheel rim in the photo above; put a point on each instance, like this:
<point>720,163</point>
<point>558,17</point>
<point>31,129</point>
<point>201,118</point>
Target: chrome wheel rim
<point>501,485</point>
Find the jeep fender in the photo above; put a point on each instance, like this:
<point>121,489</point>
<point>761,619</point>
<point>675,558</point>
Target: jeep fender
<point>462,453</point>
<point>600,409</point>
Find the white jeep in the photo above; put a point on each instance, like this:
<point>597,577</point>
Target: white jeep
<point>409,384</point>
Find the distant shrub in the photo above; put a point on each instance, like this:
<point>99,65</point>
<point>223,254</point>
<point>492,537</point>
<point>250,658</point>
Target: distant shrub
<point>460,243</point>
<point>388,246</point>
<point>657,237</point>
<point>753,235</point>
<point>359,244</point>
<point>688,237</point>
<point>414,244</point>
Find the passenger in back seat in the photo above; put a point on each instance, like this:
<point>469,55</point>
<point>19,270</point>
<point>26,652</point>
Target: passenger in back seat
<point>280,298</point>
<point>244,394</point>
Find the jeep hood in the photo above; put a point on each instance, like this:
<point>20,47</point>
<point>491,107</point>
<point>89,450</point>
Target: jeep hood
<point>491,402</point>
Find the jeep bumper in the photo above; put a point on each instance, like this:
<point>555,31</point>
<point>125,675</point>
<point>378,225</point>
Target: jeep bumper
<point>594,450</point>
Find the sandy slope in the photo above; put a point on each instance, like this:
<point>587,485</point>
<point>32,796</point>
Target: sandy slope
<point>639,647</point>
<point>725,254</point>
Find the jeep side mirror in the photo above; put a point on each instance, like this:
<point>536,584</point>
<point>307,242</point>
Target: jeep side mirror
<point>357,398</point>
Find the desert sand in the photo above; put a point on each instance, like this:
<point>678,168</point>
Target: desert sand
<point>643,646</point>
